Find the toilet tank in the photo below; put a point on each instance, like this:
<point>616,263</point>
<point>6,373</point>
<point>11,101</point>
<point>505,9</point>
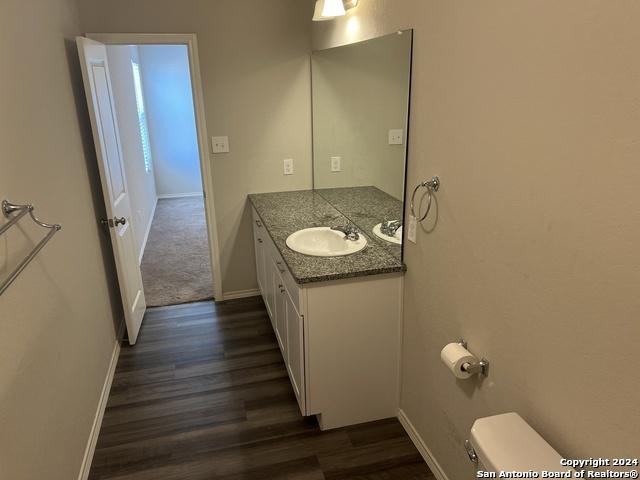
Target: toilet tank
<point>507,443</point>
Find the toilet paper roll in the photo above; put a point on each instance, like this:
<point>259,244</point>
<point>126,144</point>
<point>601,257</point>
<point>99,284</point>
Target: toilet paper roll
<point>454,356</point>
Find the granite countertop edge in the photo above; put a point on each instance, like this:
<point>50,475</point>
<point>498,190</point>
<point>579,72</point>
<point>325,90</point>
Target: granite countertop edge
<point>343,276</point>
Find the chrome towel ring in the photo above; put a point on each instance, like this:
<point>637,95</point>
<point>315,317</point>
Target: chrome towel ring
<point>432,186</point>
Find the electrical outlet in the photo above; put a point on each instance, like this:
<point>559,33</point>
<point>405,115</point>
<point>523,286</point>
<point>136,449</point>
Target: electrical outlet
<point>395,136</point>
<point>413,227</point>
<point>336,164</point>
<point>220,144</point>
<point>288,166</point>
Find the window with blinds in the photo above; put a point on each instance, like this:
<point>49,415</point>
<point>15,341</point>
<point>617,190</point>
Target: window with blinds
<point>142,116</point>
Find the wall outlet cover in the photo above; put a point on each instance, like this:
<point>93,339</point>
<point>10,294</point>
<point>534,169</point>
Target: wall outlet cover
<point>396,136</point>
<point>220,144</point>
<point>288,166</point>
<point>336,164</point>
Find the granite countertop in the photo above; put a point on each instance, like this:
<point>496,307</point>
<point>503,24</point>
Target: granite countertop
<point>283,213</point>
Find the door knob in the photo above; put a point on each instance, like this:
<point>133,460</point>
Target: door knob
<point>113,223</point>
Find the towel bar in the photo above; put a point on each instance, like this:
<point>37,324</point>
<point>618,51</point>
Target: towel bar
<point>9,210</point>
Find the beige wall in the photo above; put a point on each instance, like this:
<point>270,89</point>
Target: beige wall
<point>360,92</point>
<point>530,113</point>
<point>56,320</point>
<point>141,184</point>
<point>254,57</point>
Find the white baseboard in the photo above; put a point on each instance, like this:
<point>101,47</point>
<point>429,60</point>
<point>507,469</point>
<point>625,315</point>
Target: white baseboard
<point>241,294</point>
<point>148,230</point>
<point>417,440</point>
<point>97,421</point>
<point>180,195</point>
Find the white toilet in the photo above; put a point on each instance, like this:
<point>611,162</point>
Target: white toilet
<point>507,443</point>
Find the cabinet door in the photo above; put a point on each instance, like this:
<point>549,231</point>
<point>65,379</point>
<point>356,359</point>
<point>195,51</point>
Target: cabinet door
<point>280,321</point>
<point>295,351</point>
<point>270,286</point>
<point>260,271</point>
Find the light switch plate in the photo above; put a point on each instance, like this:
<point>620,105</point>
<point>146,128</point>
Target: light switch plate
<point>288,166</point>
<point>395,136</point>
<point>336,164</point>
<point>220,144</point>
<point>413,227</point>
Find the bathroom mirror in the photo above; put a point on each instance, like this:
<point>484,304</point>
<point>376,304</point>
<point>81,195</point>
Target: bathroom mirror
<point>360,97</point>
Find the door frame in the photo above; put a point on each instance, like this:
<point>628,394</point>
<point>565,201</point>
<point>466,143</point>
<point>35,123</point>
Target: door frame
<point>190,41</point>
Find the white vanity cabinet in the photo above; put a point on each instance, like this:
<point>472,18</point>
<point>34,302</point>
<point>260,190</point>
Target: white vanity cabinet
<point>286,320</point>
<point>340,339</point>
<point>259,234</point>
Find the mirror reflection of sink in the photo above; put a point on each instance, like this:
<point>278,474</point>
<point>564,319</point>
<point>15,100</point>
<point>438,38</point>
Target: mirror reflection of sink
<point>397,237</point>
<point>324,242</point>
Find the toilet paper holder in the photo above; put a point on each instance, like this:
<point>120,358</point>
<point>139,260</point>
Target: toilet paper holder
<point>480,367</point>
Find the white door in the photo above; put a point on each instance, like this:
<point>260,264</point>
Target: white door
<point>97,84</point>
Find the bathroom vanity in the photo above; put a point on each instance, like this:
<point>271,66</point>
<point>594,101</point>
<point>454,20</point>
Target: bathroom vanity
<point>329,260</point>
<point>336,319</point>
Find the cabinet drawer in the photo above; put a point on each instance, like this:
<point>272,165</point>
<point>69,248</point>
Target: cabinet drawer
<point>257,223</point>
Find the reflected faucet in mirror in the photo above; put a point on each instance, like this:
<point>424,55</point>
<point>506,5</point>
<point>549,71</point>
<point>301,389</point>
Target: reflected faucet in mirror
<point>390,227</point>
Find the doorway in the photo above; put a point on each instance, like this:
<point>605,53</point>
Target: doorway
<point>110,157</point>
<point>153,100</point>
<point>190,42</point>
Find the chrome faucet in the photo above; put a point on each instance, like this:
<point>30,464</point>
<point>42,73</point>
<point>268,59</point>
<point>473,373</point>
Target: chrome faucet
<point>350,232</point>
<point>390,227</point>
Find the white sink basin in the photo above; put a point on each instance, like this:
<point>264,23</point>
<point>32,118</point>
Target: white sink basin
<point>397,238</point>
<point>324,242</point>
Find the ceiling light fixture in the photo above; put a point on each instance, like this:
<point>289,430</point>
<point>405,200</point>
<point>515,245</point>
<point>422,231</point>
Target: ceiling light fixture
<point>317,13</point>
<point>333,8</point>
<point>330,9</point>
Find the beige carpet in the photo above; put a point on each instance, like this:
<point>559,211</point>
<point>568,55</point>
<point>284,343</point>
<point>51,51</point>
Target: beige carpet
<point>175,266</point>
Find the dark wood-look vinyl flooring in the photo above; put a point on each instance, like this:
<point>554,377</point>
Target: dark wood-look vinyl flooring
<point>205,395</point>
